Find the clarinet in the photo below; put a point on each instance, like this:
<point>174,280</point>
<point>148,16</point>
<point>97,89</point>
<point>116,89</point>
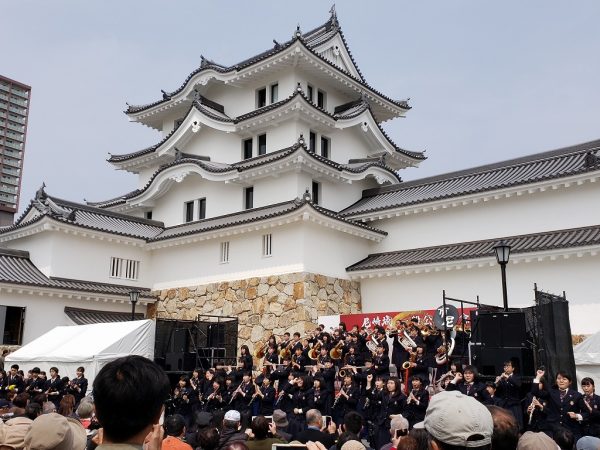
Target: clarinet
<point>337,399</point>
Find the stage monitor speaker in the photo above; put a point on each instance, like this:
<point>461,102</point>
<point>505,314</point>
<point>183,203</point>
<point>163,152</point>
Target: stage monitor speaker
<point>490,360</point>
<point>500,329</point>
<point>180,361</point>
<point>179,340</point>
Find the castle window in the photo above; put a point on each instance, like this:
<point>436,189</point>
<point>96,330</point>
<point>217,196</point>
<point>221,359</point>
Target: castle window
<point>325,145</point>
<point>249,197</point>
<point>316,190</point>
<point>188,211</point>
<point>148,215</point>
<point>127,269</point>
<point>262,144</point>
<point>312,141</point>
<point>261,97</point>
<point>202,208</point>
<point>247,148</point>
<point>274,92</point>
<point>11,327</point>
<point>224,252</point>
<point>321,99</point>
<point>309,92</point>
<point>266,245</point>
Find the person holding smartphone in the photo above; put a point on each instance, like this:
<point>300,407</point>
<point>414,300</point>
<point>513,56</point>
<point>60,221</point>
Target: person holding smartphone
<point>398,430</point>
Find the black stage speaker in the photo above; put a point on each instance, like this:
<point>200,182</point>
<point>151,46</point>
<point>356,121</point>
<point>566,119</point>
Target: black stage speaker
<point>179,340</point>
<point>490,360</point>
<point>499,329</point>
<point>180,361</point>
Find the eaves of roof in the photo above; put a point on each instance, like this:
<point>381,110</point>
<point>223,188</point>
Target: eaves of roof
<point>251,216</point>
<point>466,251</point>
<point>131,109</point>
<point>264,110</point>
<point>539,167</point>
<point>17,269</point>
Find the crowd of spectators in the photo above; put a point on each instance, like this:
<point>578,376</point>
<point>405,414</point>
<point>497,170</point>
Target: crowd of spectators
<point>127,409</point>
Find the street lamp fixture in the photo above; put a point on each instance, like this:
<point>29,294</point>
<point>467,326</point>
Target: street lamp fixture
<point>502,251</point>
<point>133,298</point>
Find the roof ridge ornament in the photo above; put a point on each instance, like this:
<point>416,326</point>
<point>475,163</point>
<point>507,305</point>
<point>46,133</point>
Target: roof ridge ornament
<point>306,197</point>
<point>277,44</point>
<point>301,141</point>
<point>40,194</point>
<point>166,96</point>
<point>591,160</point>
<point>333,19</point>
<point>298,33</point>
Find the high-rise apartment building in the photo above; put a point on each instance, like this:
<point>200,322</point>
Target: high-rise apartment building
<point>14,110</point>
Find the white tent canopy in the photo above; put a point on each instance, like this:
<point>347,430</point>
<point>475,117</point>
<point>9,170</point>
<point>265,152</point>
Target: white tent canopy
<point>90,346</point>
<point>587,359</point>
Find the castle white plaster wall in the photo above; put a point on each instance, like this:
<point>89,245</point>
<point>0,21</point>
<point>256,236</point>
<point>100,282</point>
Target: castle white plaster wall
<point>242,100</point>
<point>530,213</point>
<point>576,276</point>
<point>199,263</point>
<point>217,145</point>
<point>43,313</point>
<point>41,250</point>
<point>221,199</point>
<point>329,252</point>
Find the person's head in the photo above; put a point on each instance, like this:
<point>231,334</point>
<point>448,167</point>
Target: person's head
<point>130,381</point>
<point>53,372</point>
<point>80,371</point>
<point>296,336</point>
<point>509,367</point>
<point>55,432</point>
<point>286,336</point>
<point>455,420</point>
<point>85,409</point>
<point>260,427</point>
<point>393,385</point>
<point>35,372</point>
<point>244,350</point>
<point>232,419</point>
<point>587,384</point>
<point>317,382</point>
<point>183,381</point>
<point>174,425</point>
<point>379,382</point>
<point>421,436</point>
<point>536,441</point>
<point>236,445</point>
<point>398,423</point>
<point>490,387</point>
<point>469,373</point>
<point>208,438</point>
<point>506,429</point>
<point>416,382</point>
<point>563,379</point>
<point>564,438</point>
<point>280,419</point>
<point>14,369</point>
<point>380,348</point>
<point>32,410</point>
<point>353,422</point>
<point>314,418</point>
<point>67,403</point>
<point>21,400</point>
<point>247,376</point>
<point>348,379</point>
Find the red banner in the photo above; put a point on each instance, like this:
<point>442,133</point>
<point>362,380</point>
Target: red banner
<point>389,319</point>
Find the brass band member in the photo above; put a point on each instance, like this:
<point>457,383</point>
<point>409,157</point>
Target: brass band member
<point>508,386</point>
<point>591,423</point>
<point>322,396</point>
<point>266,397</point>
<point>54,387</point>
<point>213,401</point>
<point>299,360</point>
<point>416,402</point>
<point>302,399</point>
<point>466,383</point>
<point>394,402</point>
<point>346,400</point>
<point>78,385</point>
<point>381,362</point>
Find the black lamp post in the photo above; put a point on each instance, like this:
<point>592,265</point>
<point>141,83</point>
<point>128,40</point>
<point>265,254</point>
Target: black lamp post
<point>133,298</point>
<point>502,250</point>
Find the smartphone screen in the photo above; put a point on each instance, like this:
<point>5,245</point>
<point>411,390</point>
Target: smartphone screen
<point>400,433</point>
<point>327,421</point>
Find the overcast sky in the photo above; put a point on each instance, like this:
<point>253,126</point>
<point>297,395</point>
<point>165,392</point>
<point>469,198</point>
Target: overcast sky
<point>487,80</point>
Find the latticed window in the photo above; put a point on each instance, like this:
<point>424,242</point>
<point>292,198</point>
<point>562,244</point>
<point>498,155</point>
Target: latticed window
<point>267,241</point>
<point>128,269</point>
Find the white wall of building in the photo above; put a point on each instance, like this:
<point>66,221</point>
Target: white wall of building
<point>576,276</point>
<point>44,312</point>
<point>529,213</point>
